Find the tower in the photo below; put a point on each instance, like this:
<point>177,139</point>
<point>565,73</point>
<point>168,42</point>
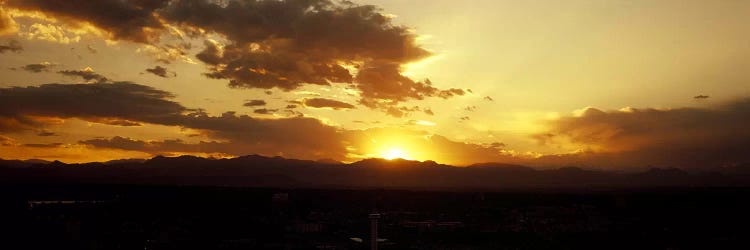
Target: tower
<point>374,231</point>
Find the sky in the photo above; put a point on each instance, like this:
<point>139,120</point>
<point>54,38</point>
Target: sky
<point>601,84</point>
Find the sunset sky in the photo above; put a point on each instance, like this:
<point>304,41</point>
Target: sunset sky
<point>602,84</point>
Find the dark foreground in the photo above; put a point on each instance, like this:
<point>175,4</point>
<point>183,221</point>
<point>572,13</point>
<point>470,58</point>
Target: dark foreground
<point>159,217</point>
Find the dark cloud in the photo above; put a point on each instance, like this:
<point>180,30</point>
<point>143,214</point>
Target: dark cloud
<point>698,97</point>
<point>268,44</point>
<point>245,68</point>
<point>43,145</point>
<point>132,20</point>
<point>306,42</point>
<point>20,123</point>
<point>471,108</point>
<point>383,84</point>
<point>293,113</point>
<point>161,72</point>
<point>87,74</point>
<point>684,137</point>
<point>12,46</point>
<point>115,122</point>
<point>265,111</point>
<point>326,103</point>
<point>122,101</point>
<point>402,111</point>
<point>255,103</point>
<point>163,147</point>
<point>170,146</point>
<point>37,67</point>
<point>46,133</point>
<point>291,106</point>
<point>25,108</point>
<point>465,118</point>
<point>160,147</point>
<point>118,142</point>
<point>299,137</point>
<point>488,98</point>
<point>428,111</point>
<point>211,54</point>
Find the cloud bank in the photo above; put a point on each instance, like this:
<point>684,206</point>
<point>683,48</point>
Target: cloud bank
<point>125,103</point>
<point>683,137</point>
<point>264,43</point>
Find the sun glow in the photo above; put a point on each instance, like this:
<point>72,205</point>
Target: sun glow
<point>394,153</point>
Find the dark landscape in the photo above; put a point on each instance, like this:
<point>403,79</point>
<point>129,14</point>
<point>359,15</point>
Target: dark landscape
<point>257,202</point>
<point>180,217</point>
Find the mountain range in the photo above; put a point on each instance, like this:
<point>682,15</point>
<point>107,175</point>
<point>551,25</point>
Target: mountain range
<point>260,171</point>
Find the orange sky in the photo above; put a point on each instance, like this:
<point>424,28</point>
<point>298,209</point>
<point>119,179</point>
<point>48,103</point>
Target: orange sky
<point>593,83</point>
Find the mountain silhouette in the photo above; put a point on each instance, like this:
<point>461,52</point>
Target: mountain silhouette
<point>261,171</point>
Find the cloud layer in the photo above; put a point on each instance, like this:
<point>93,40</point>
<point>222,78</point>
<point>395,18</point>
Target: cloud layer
<point>122,20</point>
<point>127,104</point>
<point>27,107</point>
<point>684,137</point>
<point>698,138</point>
<point>266,43</point>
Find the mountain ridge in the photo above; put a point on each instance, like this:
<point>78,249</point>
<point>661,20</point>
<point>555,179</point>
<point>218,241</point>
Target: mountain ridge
<point>262,171</point>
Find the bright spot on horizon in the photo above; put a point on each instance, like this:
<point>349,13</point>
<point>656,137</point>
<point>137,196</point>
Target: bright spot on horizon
<point>394,153</point>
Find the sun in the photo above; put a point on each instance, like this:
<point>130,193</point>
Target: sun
<point>394,153</point>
